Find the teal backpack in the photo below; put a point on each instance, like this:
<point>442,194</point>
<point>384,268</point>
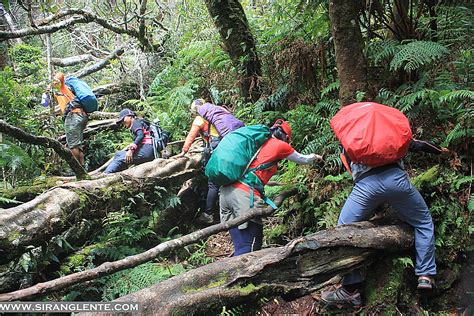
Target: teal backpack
<point>83,93</point>
<point>229,162</point>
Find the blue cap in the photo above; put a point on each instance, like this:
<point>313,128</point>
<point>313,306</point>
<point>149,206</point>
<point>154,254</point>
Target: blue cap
<point>123,113</point>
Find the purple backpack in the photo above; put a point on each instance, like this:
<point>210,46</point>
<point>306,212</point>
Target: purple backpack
<point>222,119</point>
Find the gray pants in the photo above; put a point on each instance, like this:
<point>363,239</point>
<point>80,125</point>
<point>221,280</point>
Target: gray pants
<point>235,202</point>
<point>74,126</point>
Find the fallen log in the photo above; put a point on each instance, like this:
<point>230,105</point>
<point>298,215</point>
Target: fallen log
<point>132,261</point>
<point>13,277</point>
<point>99,115</point>
<point>47,142</point>
<point>54,211</point>
<point>295,270</point>
<point>94,127</point>
<point>72,60</point>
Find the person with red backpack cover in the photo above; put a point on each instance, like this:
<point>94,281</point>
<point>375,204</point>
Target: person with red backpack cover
<point>375,137</point>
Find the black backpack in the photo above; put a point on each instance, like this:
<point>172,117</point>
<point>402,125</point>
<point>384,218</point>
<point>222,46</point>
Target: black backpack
<point>159,137</point>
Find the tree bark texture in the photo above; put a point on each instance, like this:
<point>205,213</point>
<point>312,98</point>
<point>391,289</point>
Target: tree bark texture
<point>37,221</point>
<point>348,44</point>
<point>132,261</point>
<point>3,44</point>
<point>47,142</point>
<point>296,269</point>
<point>231,22</point>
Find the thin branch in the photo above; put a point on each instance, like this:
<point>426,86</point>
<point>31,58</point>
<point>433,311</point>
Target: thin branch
<point>108,268</point>
<point>101,64</point>
<point>45,142</point>
<point>79,16</point>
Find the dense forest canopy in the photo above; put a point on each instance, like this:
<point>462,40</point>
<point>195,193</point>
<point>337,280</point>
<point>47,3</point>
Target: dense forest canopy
<point>121,236</point>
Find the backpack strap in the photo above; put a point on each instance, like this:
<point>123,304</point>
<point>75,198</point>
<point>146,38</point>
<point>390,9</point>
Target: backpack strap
<point>251,179</point>
<point>346,161</point>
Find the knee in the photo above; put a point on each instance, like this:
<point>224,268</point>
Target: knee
<point>119,155</point>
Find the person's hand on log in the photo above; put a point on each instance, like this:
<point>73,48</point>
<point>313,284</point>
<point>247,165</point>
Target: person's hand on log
<point>129,155</point>
<point>181,154</point>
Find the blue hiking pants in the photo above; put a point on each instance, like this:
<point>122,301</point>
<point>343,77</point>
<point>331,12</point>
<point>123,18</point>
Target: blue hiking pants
<point>392,185</point>
<point>143,154</point>
<point>248,239</point>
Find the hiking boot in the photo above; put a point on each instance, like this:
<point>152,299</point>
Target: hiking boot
<point>425,282</point>
<point>341,296</point>
<point>205,218</point>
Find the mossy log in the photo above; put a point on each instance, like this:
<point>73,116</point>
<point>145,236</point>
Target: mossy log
<point>293,270</point>
<point>108,268</point>
<point>53,212</point>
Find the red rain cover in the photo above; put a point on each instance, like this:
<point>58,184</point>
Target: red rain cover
<point>372,133</point>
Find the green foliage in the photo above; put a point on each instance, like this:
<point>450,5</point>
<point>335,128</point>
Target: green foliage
<point>409,56</point>
<point>125,228</point>
<point>101,146</point>
<point>15,162</point>
<point>178,84</point>
<point>198,256</point>
<point>137,278</point>
<point>28,60</point>
<point>452,219</point>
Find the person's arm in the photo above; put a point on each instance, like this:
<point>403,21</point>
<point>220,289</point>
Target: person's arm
<point>303,159</point>
<point>139,137</point>
<point>191,137</point>
<point>421,145</point>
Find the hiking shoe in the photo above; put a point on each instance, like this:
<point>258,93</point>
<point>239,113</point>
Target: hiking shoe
<point>425,282</point>
<point>341,296</point>
<point>206,218</point>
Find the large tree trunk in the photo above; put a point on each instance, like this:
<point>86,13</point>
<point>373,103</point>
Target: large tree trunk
<point>231,22</point>
<point>296,269</point>
<point>35,222</point>
<point>348,44</point>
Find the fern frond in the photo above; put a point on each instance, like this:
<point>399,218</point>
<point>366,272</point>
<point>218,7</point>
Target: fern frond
<point>407,102</point>
<point>457,95</point>
<point>380,51</point>
<point>330,88</point>
<point>415,54</point>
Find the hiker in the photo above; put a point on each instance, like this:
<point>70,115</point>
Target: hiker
<point>140,151</point>
<point>213,123</point>
<point>374,186</point>
<point>238,198</point>
<point>75,117</point>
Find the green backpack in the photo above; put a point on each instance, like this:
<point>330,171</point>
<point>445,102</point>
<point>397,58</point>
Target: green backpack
<point>230,160</point>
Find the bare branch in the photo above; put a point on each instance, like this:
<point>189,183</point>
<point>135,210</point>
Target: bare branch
<point>45,142</point>
<point>101,64</point>
<point>78,16</point>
